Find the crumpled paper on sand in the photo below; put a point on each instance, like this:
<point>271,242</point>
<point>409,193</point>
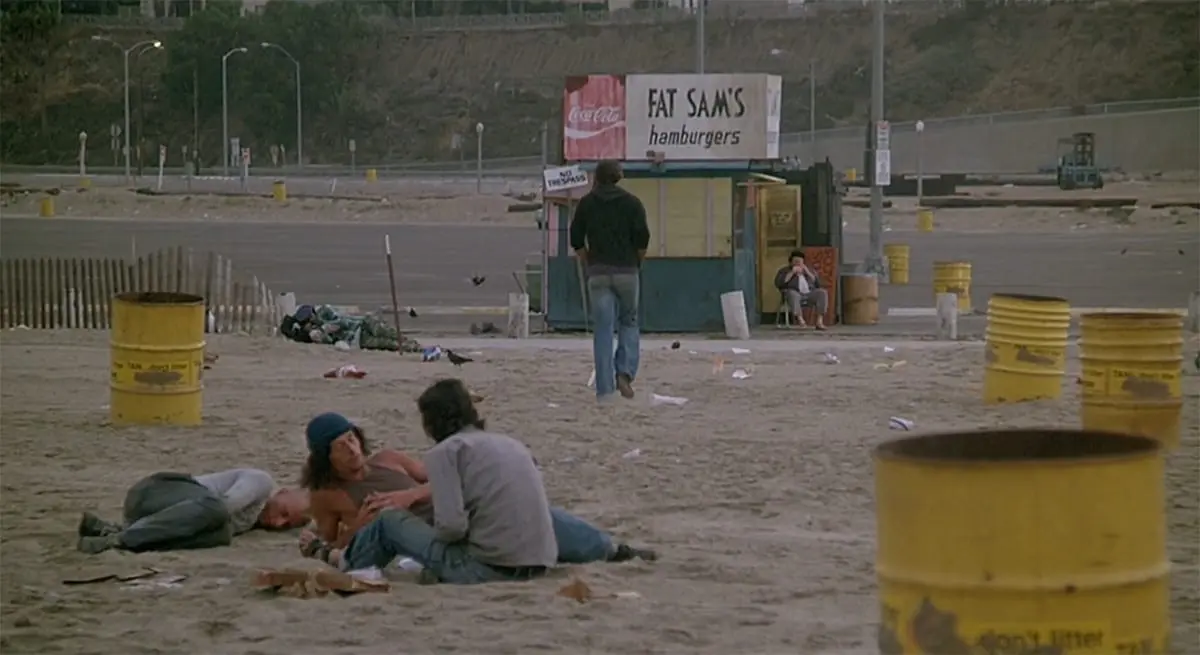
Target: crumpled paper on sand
<point>298,583</point>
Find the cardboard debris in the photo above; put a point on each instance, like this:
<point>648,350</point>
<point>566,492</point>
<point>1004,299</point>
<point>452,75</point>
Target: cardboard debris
<point>97,578</point>
<point>298,583</point>
<point>577,590</point>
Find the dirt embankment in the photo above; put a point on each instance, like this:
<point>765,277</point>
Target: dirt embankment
<point>411,92</point>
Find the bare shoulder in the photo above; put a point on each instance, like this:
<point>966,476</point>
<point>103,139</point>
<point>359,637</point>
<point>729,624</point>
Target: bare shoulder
<point>388,458</point>
<point>330,500</point>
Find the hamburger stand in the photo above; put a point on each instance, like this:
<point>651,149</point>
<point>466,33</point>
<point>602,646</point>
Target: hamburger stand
<point>724,210</point>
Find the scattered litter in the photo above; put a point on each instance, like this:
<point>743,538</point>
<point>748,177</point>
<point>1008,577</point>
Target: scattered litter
<point>341,345</point>
<point>552,405</point>
<point>656,400</point>
<point>484,328</point>
<point>718,365</point>
<point>475,353</point>
<point>140,574</point>
<point>693,352</point>
<point>432,354</point>
<point>889,349</point>
<point>741,351</point>
<point>636,452</point>
<point>831,358</point>
<point>210,359</point>
<point>740,374</point>
<point>887,366</point>
<point>346,371</point>
<point>156,582</point>
<point>592,380</point>
<point>627,595</point>
<point>577,590</point>
<point>897,423</point>
<point>314,583</point>
<point>19,327</point>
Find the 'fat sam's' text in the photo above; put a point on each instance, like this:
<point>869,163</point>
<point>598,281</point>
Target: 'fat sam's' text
<point>708,116</point>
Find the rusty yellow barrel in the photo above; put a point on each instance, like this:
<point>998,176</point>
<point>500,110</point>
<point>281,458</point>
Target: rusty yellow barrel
<point>1132,373</point>
<point>157,352</point>
<point>897,258</point>
<point>372,175</point>
<point>279,190</point>
<point>1033,541</point>
<point>925,220</point>
<point>1026,354</point>
<point>955,278</point>
<point>46,207</point>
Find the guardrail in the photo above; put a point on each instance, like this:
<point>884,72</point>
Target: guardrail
<point>1128,107</point>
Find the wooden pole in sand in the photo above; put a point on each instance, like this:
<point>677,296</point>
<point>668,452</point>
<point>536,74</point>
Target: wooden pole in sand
<point>387,248</point>
<point>579,270</point>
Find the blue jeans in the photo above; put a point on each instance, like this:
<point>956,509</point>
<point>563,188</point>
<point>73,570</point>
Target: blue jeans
<point>614,307</point>
<point>171,511</point>
<point>397,533</point>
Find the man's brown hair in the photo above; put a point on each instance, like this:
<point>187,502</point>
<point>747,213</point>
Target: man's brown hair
<point>608,172</point>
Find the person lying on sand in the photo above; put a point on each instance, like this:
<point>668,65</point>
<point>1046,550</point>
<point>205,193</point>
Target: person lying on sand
<point>175,511</point>
<point>489,524</point>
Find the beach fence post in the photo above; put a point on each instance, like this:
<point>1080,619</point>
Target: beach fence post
<point>387,249</point>
<point>518,315</point>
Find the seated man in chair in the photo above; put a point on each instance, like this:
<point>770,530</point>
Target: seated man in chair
<point>800,285</point>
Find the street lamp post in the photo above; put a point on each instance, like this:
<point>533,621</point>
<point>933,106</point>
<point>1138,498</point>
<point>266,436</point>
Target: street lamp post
<point>479,158</point>
<point>225,109</point>
<point>125,59</point>
<point>920,163</point>
<point>299,115</point>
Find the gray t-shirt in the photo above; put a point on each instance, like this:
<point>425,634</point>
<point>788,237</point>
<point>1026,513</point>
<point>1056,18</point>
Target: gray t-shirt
<point>486,489</point>
<point>244,491</point>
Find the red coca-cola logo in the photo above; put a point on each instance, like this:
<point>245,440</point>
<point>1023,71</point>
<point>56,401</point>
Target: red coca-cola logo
<point>607,114</point>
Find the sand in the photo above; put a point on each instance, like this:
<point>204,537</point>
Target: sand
<point>758,494</point>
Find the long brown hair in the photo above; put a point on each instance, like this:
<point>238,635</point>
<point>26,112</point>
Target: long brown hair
<point>318,470</point>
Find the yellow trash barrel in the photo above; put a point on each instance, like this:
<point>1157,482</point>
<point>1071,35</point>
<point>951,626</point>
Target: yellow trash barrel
<point>925,220</point>
<point>955,278</point>
<point>851,175</point>
<point>372,175</point>
<point>897,258</point>
<point>46,208</point>
<point>85,183</point>
<point>1026,354</point>
<point>279,190</point>
<point>1022,541</point>
<point>157,353</point>
<point>1132,373</point>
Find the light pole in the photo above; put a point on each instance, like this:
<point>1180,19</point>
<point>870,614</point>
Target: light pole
<point>812,108</point>
<point>125,60</point>
<point>299,122</point>
<point>874,262</point>
<point>700,36</point>
<point>920,164</point>
<point>225,109</point>
<point>479,158</point>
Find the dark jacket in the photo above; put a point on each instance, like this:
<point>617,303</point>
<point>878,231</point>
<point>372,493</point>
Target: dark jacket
<point>782,283</point>
<point>611,223</point>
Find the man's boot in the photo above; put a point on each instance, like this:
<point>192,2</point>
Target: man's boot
<point>625,385</point>
<point>91,525</point>
<point>625,552</point>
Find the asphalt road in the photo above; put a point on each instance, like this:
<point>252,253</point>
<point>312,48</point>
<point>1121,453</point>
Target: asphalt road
<point>344,264</point>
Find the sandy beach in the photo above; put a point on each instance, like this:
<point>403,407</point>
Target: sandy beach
<point>761,508</point>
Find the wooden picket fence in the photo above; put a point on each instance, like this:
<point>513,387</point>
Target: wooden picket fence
<point>53,293</point>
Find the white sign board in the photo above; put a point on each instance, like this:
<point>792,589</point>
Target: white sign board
<point>883,135</point>
<point>563,178</point>
<point>703,117</point>
<point>883,168</point>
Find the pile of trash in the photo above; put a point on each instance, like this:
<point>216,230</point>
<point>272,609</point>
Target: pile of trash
<point>323,324</point>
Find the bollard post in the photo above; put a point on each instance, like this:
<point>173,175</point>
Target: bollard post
<point>518,315</point>
<point>1193,317</point>
<point>947,316</point>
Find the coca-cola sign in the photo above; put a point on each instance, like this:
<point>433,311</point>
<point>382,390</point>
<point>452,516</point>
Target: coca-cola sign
<point>594,118</point>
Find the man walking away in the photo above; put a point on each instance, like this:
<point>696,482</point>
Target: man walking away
<point>610,236</point>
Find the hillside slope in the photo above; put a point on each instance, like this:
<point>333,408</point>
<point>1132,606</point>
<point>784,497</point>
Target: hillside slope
<point>411,92</point>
